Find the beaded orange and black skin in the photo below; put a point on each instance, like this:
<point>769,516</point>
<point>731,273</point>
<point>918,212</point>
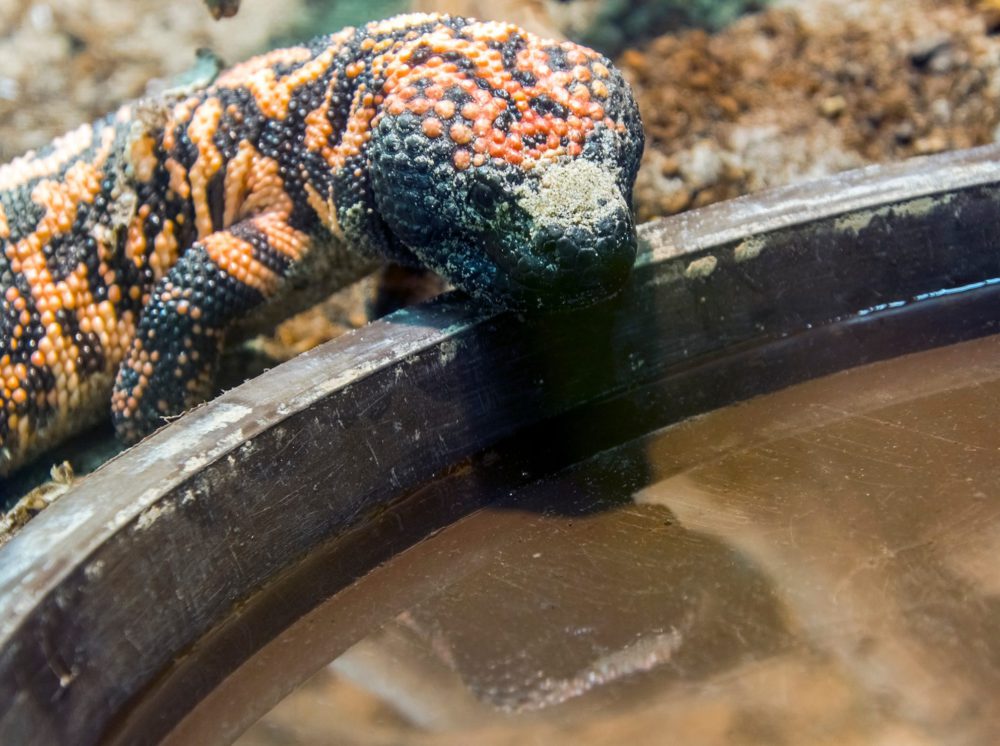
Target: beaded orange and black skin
<point>500,160</point>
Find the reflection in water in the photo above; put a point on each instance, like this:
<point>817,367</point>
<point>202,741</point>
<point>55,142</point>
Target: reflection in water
<point>876,513</point>
<point>813,566</point>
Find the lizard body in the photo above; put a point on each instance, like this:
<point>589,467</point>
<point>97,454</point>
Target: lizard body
<point>130,246</point>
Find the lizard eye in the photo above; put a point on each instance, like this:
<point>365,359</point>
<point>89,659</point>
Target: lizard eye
<point>483,198</point>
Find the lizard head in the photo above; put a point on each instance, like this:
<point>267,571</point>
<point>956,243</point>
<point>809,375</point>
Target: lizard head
<point>507,166</point>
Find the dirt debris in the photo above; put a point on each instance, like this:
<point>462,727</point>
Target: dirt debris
<point>810,88</point>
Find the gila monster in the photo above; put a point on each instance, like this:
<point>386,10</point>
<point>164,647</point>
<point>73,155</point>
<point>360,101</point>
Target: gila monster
<point>502,161</point>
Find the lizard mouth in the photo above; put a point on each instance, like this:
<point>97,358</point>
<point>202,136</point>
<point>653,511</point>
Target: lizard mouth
<point>569,266</point>
<point>557,268</point>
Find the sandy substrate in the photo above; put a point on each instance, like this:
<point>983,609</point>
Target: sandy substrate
<point>70,61</point>
<point>810,89</point>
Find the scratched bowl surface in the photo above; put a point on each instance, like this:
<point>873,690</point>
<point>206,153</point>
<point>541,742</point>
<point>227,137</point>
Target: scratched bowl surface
<point>812,566</point>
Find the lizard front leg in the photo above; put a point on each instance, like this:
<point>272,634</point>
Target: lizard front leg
<point>174,355</point>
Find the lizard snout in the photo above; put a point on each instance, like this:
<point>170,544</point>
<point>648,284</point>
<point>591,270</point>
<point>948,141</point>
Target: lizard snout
<point>582,243</point>
<point>578,263</point>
